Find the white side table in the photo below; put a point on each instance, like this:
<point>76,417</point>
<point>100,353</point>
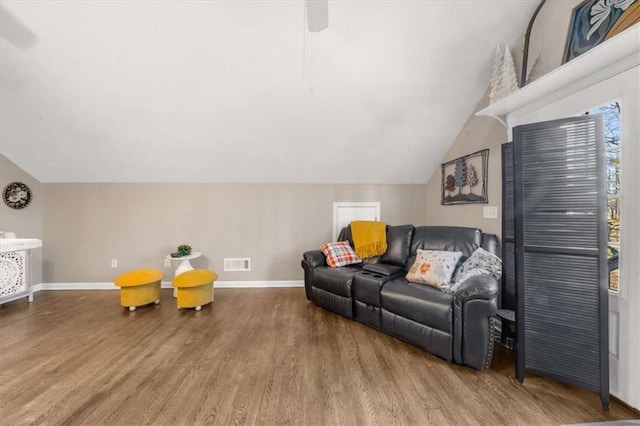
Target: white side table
<point>184,265</point>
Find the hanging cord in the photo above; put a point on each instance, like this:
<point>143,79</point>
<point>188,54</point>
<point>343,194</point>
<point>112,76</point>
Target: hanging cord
<point>307,50</point>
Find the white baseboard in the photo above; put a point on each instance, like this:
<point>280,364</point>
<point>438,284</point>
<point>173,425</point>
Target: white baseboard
<point>166,284</point>
<point>75,286</point>
<point>258,284</point>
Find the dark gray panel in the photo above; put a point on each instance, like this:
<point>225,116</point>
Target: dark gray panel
<point>561,186</point>
<point>508,293</point>
<point>509,276</point>
<point>561,318</point>
<point>556,229</point>
<point>508,205</point>
<point>560,235</point>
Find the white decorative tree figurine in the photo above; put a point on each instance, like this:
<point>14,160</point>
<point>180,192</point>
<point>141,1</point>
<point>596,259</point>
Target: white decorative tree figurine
<point>509,77</point>
<point>496,76</point>
<point>504,80</point>
<point>536,71</point>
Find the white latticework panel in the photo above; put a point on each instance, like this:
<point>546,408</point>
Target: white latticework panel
<point>13,277</point>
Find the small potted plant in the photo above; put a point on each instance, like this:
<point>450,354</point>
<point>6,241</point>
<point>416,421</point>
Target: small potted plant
<point>183,250</point>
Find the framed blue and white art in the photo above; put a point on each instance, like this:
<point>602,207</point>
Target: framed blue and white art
<point>594,21</point>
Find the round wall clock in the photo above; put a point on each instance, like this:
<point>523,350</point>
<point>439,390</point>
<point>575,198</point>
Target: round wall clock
<point>16,195</point>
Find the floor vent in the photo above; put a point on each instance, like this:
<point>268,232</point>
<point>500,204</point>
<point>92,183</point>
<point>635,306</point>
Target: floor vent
<point>237,264</point>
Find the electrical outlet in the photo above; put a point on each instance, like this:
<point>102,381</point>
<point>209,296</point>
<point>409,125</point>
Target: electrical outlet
<point>114,263</point>
<point>490,212</point>
<point>167,263</point>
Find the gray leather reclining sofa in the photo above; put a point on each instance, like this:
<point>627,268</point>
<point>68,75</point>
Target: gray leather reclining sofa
<point>457,327</point>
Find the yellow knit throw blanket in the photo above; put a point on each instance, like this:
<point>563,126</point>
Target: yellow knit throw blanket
<point>370,238</point>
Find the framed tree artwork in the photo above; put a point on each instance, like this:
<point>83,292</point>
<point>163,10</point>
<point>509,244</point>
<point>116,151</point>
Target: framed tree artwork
<point>464,180</point>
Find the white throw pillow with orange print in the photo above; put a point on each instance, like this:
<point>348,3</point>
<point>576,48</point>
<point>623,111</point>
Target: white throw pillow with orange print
<point>434,267</point>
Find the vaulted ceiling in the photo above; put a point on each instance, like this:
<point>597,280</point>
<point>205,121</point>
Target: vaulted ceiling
<point>238,91</point>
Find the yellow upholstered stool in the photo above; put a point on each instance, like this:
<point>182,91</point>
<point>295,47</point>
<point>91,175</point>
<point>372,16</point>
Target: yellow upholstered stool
<point>139,287</point>
<point>195,288</point>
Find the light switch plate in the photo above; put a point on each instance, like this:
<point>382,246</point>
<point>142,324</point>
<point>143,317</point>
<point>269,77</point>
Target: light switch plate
<point>490,212</point>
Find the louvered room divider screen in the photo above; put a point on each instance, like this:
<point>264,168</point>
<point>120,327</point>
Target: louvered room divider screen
<point>561,257</point>
<point>508,293</point>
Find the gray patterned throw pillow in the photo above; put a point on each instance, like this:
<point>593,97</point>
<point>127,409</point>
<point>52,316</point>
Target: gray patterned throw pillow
<point>480,262</point>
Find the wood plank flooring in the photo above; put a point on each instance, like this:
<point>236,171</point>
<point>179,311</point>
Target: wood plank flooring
<point>258,356</point>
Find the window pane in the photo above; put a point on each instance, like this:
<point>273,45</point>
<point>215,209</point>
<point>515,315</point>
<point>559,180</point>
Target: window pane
<point>611,115</point>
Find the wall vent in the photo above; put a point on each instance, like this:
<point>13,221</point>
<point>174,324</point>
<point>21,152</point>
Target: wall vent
<point>237,264</point>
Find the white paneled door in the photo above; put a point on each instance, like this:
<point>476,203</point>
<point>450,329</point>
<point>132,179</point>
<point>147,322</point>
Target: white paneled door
<point>345,212</point>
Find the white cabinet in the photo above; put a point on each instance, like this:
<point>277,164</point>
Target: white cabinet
<point>14,268</point>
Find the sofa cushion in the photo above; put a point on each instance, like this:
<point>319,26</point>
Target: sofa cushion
<point>491,243</point>
<point>420,303</point>
<point>340,254</point>
<point>434,267</point>
<point>447,238</point>
<point>398,244</point>
<point>382,269</point>
<point>335,280</point>
<point>480,262</point>
<point>345,235</point>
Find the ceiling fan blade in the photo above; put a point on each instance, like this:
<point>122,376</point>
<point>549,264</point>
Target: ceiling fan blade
<point>14,31</point>
<point>317,15</point>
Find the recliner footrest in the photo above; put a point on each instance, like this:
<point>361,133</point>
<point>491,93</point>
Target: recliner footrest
<point>367,314</point>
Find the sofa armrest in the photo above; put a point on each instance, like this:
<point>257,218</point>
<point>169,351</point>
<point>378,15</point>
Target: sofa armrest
<point>474,306</point>
<point>311,260</point>
<point>477,287</point>
<point>315,258</point>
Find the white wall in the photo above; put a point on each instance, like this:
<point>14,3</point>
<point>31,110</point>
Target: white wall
<point>26,222</point>
<point>548,36</point>
<point>218,91</point>
<point>87,225</point>
<point>548,39</point>
<point>478,133</point>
